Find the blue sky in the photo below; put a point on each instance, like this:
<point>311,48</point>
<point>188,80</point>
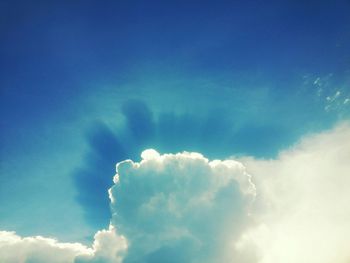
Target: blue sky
<point>87,84</point>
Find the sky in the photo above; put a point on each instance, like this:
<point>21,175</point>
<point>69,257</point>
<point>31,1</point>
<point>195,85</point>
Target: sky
<point>246,106</point>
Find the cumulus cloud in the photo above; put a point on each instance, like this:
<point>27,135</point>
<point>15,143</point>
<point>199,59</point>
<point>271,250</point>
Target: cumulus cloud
<point>15,249</point>
<point>212,133</point>
<point>303,200</point>
<point>180,207</point>
<point>184,208</point>
<point>108,247</point>
<point>167,208</point>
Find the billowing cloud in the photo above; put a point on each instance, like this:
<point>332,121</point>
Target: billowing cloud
<point>215,134</point>
<point>184,208</point>
<point>180,207</point>
<point>108,247</point>
<point>173,207</point>
<point>303,200</point>
<point>14,248</point>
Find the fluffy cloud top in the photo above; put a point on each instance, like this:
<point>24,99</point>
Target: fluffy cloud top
<point>184,208</point>
<point>14,249</point>
<point>180,207</point>
<point>167,208</point>
<point>108,247</point>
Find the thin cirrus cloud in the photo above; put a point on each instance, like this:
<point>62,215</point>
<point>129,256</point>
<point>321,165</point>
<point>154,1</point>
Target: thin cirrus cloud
<point>184,208</point>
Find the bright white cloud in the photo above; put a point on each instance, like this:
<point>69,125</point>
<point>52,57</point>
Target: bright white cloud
<point>108,247</point>
<point>181,207</point>
<point>303,201</point>
<point>184,208</point>
<point>15,249</point>
<point>173,208</point>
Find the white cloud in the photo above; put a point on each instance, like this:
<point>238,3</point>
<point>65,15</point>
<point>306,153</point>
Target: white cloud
<point>15,249</point>
<point>303,201</point>
<point>107,247</point>
<point>173,207</point>
<point>184,208</point>
<point>180,207</point>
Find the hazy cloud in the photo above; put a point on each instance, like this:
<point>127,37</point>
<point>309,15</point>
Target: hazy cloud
<point>303,201</point>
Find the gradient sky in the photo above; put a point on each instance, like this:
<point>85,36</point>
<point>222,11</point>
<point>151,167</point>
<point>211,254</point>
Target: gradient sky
<point>87,84</point>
